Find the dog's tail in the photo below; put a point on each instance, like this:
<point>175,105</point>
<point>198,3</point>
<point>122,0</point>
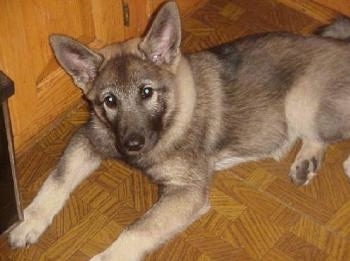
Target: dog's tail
<point>338,29</point>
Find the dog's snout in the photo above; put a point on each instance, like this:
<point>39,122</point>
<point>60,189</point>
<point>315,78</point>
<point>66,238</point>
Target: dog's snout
<point>134,142</point>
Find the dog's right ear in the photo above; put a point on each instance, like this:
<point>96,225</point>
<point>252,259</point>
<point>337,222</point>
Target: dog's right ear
<point>76,59</point>
<point>162,41</point>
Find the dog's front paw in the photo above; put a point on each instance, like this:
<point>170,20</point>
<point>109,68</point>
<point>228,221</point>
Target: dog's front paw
<point>28,232</point>
<point>303,171</point>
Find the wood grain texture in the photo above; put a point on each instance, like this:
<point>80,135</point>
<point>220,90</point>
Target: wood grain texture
<point>257,214</point>
<point>341,6</point>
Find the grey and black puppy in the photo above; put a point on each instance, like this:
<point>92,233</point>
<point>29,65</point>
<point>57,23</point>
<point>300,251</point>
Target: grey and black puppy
<point>181,117</point>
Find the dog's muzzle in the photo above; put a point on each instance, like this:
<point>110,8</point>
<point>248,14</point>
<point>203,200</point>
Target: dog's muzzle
<point>133,143</point>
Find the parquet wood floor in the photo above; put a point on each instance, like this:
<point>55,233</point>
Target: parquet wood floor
<point>257,214</point>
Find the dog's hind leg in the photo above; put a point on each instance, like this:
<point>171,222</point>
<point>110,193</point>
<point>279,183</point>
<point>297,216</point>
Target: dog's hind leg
<point>307,162</point>
<point>77,162</point>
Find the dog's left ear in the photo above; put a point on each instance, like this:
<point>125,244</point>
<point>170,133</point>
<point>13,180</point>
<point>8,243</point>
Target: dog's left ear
<point>162,42</point>
<point>76,59</point>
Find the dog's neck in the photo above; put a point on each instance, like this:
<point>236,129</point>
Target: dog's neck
<point>185,106</point>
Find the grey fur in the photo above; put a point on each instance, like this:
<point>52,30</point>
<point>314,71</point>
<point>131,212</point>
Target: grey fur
<point>245,100</point>
<point>339,29</point>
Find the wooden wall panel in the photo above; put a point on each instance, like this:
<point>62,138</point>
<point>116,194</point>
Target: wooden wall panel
<point>12,55</point>
<point>342,6</point>
<point>108,20</point>
<point>43,90</point>
<point>141,12</point>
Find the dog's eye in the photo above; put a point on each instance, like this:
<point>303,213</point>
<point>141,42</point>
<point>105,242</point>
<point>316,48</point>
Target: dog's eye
<point>146,92</point>
<point>110,100</point>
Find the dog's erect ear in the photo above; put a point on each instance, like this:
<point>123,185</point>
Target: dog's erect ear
<point>162,42</point>
<point>76,59</point>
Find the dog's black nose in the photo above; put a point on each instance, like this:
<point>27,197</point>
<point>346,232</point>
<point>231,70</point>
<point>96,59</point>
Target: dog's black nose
<point>134,142</point>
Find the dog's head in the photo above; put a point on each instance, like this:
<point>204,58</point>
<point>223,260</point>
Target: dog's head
<point>130,85</point>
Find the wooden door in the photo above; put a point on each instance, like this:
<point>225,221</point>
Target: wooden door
<point>43,90</point>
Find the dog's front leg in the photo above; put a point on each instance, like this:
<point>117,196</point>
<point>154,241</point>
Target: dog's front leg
<point>77,162</point>
<point>176,209</point>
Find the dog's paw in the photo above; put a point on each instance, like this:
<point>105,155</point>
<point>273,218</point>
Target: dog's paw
<point>28,232</point>
<point>303,171</point>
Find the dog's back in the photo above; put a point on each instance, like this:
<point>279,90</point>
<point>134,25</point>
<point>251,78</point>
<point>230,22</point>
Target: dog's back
<point>276,88</point>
